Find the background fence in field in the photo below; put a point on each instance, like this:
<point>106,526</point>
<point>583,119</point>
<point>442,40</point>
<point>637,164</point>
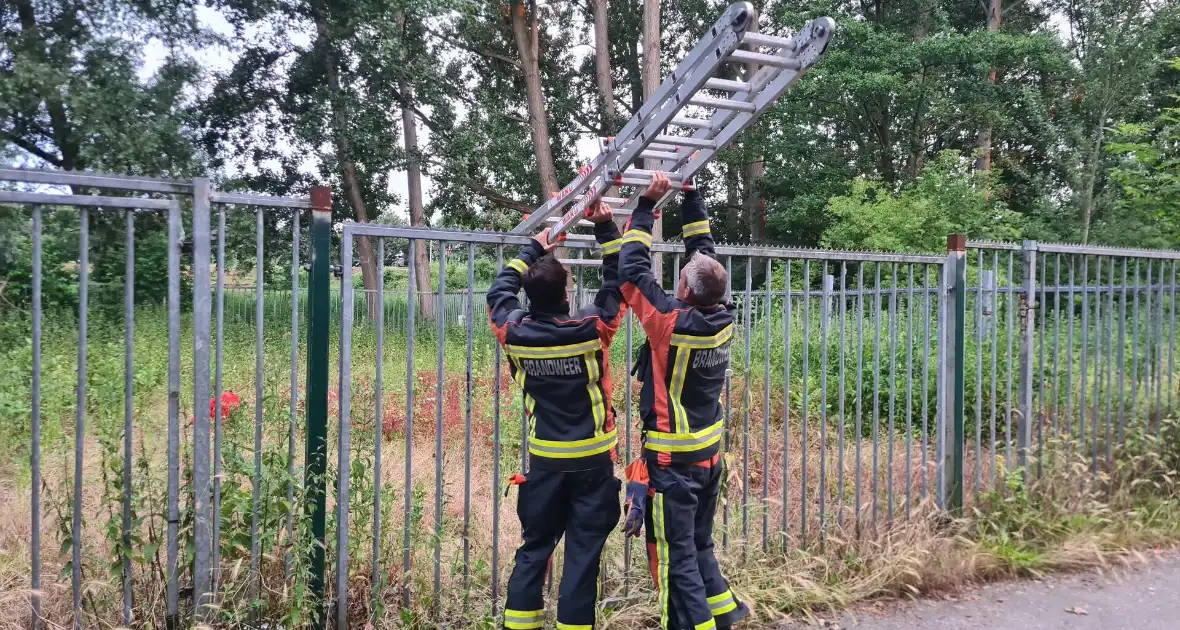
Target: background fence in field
<point>841,411</point>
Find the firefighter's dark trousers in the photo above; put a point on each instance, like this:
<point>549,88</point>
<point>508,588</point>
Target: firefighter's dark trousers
<point>582,506</point>
<point>693,595</point>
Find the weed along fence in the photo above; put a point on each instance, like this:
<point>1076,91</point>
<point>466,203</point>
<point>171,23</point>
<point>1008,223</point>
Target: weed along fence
<point>302,451</point>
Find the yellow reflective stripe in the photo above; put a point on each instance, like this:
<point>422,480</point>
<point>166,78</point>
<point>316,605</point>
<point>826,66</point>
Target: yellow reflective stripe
<point>574,626</point>
<point>695,228</point>
<point>661,556</point>
<point>721,604</point>
<point>684,442</point>
<point>597,407</point>
<point>679,369</point>
<point>717,599</point>
<point>705,625</point>
<point>575,448</point>
<point>553,352</point>
<point>712,341</point>
<point>519,265</point>
<point>524,619</point>
<point>612,247</point>
<point>637,236</point>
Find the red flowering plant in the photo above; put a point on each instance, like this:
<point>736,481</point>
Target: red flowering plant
<point>230,402</point>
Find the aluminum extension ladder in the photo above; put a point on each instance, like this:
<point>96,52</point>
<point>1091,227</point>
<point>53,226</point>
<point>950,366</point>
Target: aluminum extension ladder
<point>649,134</point>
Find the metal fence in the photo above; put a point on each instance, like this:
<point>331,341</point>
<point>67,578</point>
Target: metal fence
<point>865,389</point>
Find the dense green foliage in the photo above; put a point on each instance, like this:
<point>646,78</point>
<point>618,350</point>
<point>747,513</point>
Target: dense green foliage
<point>876,148</point>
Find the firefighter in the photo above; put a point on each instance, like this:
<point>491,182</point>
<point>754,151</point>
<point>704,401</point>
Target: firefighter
<point>673,490</point>
<point>561,363</point>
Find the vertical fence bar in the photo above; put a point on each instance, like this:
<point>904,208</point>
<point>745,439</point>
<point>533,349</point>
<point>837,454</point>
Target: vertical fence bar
<point>259,366</point>
<point>1085,352</point>
<point>496,382</point>
<point>786,399</point>
<point>909,392</point>
<point>407,485</point>
<point>1056,344</point>
<point>1148,366</point>
<point>201,342</point>
<point>746,314</point>
<point>1097,402</point>
<point>378,426</point>
<point>35,429</point>
<point>1028,323</point>
<point>440,317</point>
<point>627,446</point>
<point>825,312</point>
<point>860,387</point>
<point>1012,300</point>
<point>292,434</point>
<point>469,320</point>
<point>1109,358</point>
<point>1040,420</point>
<point>955,379</point>
<point>894,324</point>
<point>995,334</point>
<point>343,462</point>
<point>218,369</point>
<point>923,443</point>
<point>980,336</point>
<point>766,407</point>
<point>1158,363</point>
<point>840,395</point>
<point>1122,353</point>
<point>725,506</point>
<point>876,388</point>
<point>171,594</point>
<point>1172,340</point>
<point>1069,345</point>
<point>806,388</point>
<point>319,300</point>
<point>128,400</point>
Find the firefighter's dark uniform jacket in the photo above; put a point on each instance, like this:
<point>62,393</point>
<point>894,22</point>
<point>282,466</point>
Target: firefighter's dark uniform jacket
<point>683,373</point>
<point>562,364</point>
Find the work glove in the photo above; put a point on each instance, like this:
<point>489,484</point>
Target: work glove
<point>636,501</point>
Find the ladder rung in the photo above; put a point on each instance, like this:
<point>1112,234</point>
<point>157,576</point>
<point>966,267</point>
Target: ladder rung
<point>578,223</point>
<point>659,155</point>
<point>641,173</point>
<point>722,103</point>
<point>685,141</point>
<point>580,262</point>
<point>691,123</point>
<point>584,238</point>
<point>610,201</point>
<point>770,41</point>
<point>657,146</point>
<point>762,59</point>
<point>727,85</point>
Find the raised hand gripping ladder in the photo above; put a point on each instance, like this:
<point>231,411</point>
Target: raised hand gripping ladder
<point>648,134</point>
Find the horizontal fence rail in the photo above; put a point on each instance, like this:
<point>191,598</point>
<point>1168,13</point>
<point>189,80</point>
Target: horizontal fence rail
<point>178,455</point>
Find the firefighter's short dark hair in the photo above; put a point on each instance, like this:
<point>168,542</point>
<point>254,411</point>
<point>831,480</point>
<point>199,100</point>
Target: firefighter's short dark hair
<point>545,282</point>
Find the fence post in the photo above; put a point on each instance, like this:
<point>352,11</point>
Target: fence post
<point>1027,327</point>
<point>950,489</point>
<point>202,310</point>
<point>319,297</point>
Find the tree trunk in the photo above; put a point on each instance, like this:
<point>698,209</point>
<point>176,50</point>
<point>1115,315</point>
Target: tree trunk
<point>414,184</point>
<point>651,83</point>
<point>606,92</point>
<point>995,15</point>
<point>1092,177</point>
<point>352,190</point>
<point>525,31</point>
<point>755,171</point>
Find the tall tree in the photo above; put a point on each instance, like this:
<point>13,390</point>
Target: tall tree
<point>651,83</point>
<point>995,15</point>
<point>602,70</point>
<point>413,171</point>
<point>526,32</point>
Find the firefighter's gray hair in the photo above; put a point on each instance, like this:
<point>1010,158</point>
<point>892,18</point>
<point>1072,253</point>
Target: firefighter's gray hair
<point>706,280</point>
